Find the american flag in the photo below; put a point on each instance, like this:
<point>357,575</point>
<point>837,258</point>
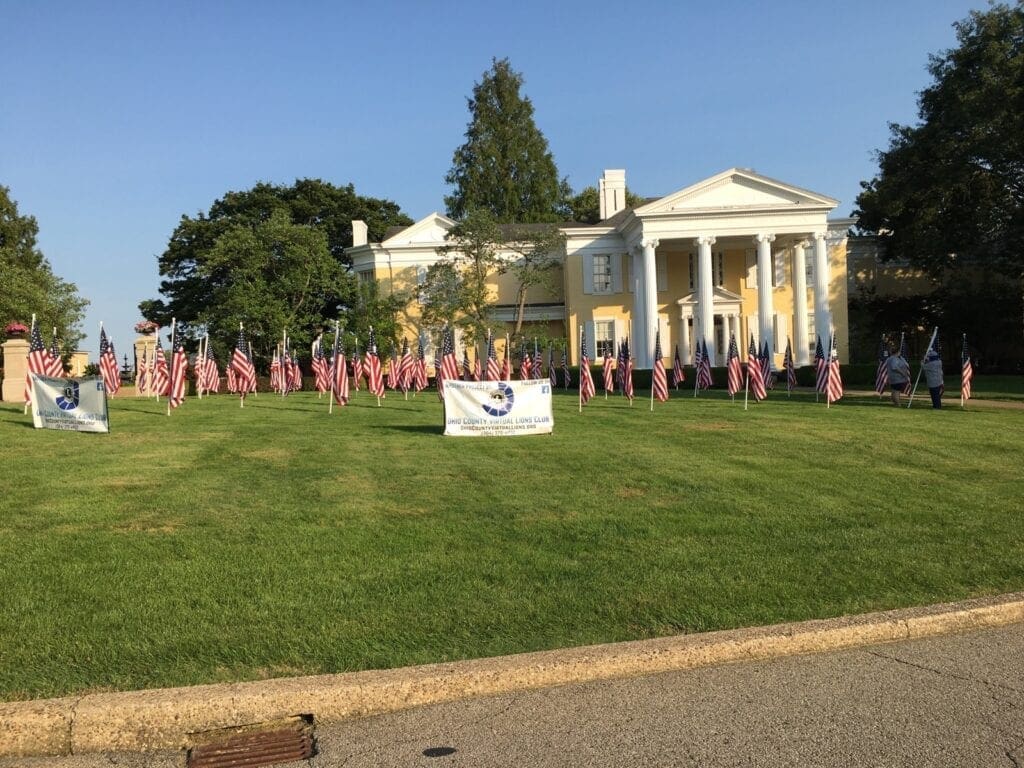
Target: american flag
<point>295,377</point>
<point>420,377</point>
<point>678,377</point>
<point>374,380</point>
<point>966,371</point>
<point>232,380</point>
<point>394,379</point>
<point>449,370</point>
<point>477,374</point>
<point>882,374</point>
<point>552,371</point>
<point>834,389</point>
<point>732,367</point>
<point>321,374</point>
<point>241,365</point>
<point>525,364</point>
<point>493,369</point>
<point>586,380</point>
<point>357,368</point>
<point>339,380</point>
<point>903,354</point>
<point>755,379</point>
<point>38,360</point>
<point>620,366</point>
<point>179,369</point>
<point>538,362</point>
<point>506,362</point>
<point>212,383</point>
<point>467,369</point>
<point>161,378</point>
<point>659,379</point>
<point>787,363</point>
<point>627,370</point>
<point>608,372</point>
<point>565,369</point>
<point>143,370</point>
<point>820,367</point>
<point>56,364</point>
<point>704,379</point>
<point>108,362</point>
<point>767,367</point>
<point>276,382</point>
<point>406,368</point>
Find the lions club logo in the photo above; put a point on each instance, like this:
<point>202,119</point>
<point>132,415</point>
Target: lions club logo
<point>69,400</point>
<point>499,401</point>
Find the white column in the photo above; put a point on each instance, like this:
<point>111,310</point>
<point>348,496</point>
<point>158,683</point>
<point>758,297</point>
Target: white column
<point>734,330</point>
<point>639,321</point>
<point>822,315</point>
<point>801,356</point>
<point>684,339</point>
<point>646,359</point>
<point>705,294</point>
<point>765,309</point>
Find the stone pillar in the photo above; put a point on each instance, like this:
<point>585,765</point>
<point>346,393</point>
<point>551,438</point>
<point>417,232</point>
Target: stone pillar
<point>705,293</point>
<point>646,359</point>
<point>801,355</point>
<point>684,340</point>
<point>822,315</point>
<point>145,353</point>
<point>765,309</point>
<point>15,370</point>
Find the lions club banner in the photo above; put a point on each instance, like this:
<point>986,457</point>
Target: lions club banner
<point>497,408</point>
<point>77,405</point>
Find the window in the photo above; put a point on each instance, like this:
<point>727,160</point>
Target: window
<point>421,278</point>
<point>719,267</point>
<point>604,338</point>
<point>602,273</point>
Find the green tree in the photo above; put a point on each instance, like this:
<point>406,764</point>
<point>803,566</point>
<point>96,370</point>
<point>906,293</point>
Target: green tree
<point>28,282</point>
<point>269,256</point>
<point>949,195</point>
<point>585,207</point>
<point>505,166</point>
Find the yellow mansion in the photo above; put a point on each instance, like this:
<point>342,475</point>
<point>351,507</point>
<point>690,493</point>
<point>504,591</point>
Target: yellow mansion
<point>735,253</point>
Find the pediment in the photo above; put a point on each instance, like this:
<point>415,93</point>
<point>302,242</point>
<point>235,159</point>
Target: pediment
<point>736,190</point>
<point>718,296</point>
<point>430,230</point>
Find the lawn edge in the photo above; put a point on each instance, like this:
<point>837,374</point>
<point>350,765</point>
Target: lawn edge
<point>166,718</point>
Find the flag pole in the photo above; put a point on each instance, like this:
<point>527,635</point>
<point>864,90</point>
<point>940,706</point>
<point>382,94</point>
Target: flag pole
<point>171,367</point>
<point>156,391</point>
<point>652,377</point>
<point>963,346</point>
<point>25,410</point>
<point>334,376</point>
<point>746,386</point>
<point>920,370</point>
<point>580,397</point>
<point>241,390</point>
<point>828,366</point>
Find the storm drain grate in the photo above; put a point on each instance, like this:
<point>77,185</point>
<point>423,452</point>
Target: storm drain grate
<point>280,741</point>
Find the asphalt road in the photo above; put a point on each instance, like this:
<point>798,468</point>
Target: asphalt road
<point>949,701</point>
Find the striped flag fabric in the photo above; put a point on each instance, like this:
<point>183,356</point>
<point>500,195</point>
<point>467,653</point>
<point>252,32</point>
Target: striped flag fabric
<point>755,379</point>
<point>39,360</point>
<point>179,369</point>
<point>232,380</point>
<point>143,377</point>
<point>374,380</point>
<point>620,366</point>
<point>506,362</point>
<point>732,367</point>
<point>678,376</point>
<point>787,363</point>
<point>627,370</point>
<point>538,362</point>
<point>339,382</point>
<point>394,378</point>
<point>820,367</point>
<point>659,378</point>
<point>704,378</point>
<point>467,370</point>
<point>295,379</point>
<point>905,355</point>
<point>493,372</point>
<point>211,375</point>
<point>275,372</point>
<point>108,362</point>
<point>834,388</point>
<point>449,369</point>
<point>406,368</point>
<point>552,371</point>
<point>477,373</point>
<point>586,380</point>
<point>56,364</point>
<point>966,371</point>
<point>357,368</point>
<point>882,373</point>
<point>161,376</point>
<point>321,374</point>
<point>241,365</point>
<point>420,365</point>
<point>567,379</point>
<point>525,364</point>
<point>767,364</point>
<point>608,372</point>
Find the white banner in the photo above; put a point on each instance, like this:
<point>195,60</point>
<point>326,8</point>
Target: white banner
<point>498,408</point>
<point>76,405</point>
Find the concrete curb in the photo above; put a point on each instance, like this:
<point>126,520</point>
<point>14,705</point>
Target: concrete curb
<point>164,718</point>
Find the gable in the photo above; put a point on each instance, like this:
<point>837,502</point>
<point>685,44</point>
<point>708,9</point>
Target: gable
<point>430,230</point>
<point>736,189</point>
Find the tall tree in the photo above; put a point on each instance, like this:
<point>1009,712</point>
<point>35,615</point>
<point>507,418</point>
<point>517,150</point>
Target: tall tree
<point>949,195</point>
<point>268,256</point>
<point>27,282</point>
<point>505,166</point>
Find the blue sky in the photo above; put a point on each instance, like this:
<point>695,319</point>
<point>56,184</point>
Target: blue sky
<point>118,118</point>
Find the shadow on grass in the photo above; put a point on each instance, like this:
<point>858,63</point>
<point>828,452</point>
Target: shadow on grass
<point>423,429</point>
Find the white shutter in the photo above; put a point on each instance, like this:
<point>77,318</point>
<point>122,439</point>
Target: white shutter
<point>809,266</point>
<point>616,262</point>
<point>588,273</point>
<point>751,282</point>
<point>779,273</point>
<point>628,271</point>
<point>661,266</point>
<point>591,341</point>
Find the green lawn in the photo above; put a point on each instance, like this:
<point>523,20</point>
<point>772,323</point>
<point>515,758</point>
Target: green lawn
<point>230,544</point>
